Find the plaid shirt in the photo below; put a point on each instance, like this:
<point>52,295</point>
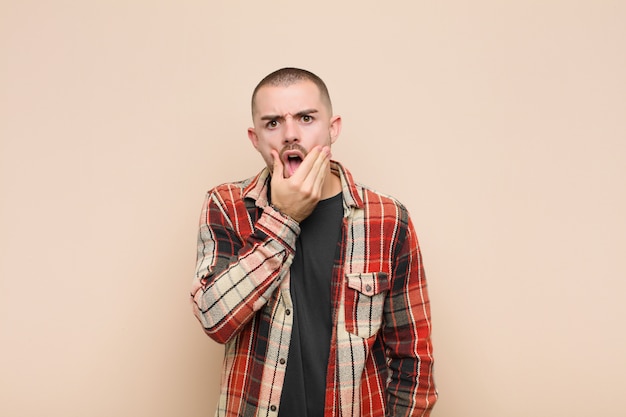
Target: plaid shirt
<point>380,363</point>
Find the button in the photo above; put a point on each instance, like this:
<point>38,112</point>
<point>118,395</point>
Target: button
<point>273,408</point>
<point>287,312</point>
<point>282,361</point>
<point>368,288</point>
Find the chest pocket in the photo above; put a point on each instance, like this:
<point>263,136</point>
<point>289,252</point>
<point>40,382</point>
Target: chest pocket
<point>364,300</point>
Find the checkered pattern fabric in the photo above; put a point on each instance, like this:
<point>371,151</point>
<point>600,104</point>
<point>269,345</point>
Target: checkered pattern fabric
<point>380,363</point>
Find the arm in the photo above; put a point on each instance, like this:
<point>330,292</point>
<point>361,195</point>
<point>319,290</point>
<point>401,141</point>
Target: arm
<point>411,390</point>
<point>239,264</point>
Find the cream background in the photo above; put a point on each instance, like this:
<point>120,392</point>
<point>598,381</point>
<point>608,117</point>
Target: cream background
<point>500,124</point>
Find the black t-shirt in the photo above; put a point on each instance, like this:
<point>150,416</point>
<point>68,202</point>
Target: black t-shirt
<point>311,275</point>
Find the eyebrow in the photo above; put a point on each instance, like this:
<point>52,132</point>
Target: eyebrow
<point>300,113</point>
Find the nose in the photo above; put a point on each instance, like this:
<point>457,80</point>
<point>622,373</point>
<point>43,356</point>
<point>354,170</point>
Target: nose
<point>291,133</point>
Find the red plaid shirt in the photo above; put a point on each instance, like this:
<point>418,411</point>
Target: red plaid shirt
<point>380,363</point>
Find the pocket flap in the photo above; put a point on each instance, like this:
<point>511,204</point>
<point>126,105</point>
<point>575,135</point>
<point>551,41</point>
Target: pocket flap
<point>368,283</point>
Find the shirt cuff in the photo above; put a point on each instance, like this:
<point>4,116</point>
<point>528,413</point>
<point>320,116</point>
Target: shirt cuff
<point>279,226</point>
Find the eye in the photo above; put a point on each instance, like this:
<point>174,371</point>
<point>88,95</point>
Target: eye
<point>306,118</point>
<point>272,124</point>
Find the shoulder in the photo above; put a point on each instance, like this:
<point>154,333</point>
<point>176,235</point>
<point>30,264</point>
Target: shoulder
<point>228,187</point>
<point>373,202</point>
<point>373,199</point>
<point>229,192</point>
<point>384,212</point>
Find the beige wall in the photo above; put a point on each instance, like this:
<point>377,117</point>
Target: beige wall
<point>501,125</point>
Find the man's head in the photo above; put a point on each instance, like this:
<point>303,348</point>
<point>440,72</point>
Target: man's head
<point>292,113</point>
<point>285,77</point>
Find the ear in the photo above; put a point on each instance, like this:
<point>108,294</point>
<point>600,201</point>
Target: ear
<point>334,128</point>
<point>253,138</point>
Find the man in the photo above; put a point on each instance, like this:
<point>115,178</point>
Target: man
<point>313,282</point>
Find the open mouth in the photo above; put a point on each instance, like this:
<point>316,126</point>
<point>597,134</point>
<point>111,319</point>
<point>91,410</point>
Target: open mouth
<point>292,163</point>
<point>292,156</point>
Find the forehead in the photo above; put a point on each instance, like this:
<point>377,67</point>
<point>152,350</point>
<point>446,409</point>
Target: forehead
<point>292,98</point>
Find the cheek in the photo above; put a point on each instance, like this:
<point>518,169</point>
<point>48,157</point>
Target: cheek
<point>322,134</point>
<point>265,151</point>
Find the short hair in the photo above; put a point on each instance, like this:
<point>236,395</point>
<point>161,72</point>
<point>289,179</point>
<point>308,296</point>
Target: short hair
<point>285,77</point>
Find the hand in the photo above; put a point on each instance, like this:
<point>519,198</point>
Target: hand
<point>298,195</point>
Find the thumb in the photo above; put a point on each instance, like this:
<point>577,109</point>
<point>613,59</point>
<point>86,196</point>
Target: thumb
<point>278,166</point>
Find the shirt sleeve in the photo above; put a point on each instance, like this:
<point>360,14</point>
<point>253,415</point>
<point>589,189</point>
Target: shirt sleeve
<point>239,263</point>
<point>411,390</point>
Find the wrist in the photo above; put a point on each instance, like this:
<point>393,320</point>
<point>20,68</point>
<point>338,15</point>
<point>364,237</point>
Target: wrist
<point>281,212</point>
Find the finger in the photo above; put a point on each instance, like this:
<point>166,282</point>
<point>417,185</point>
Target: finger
<point>320,178</point>
<point>316,186</point>
<point>277,170</point>
<point>317,173</point>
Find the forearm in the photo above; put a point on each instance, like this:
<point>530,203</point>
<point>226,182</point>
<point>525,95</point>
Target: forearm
<point>411,389</point>
<point>235,279</point>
